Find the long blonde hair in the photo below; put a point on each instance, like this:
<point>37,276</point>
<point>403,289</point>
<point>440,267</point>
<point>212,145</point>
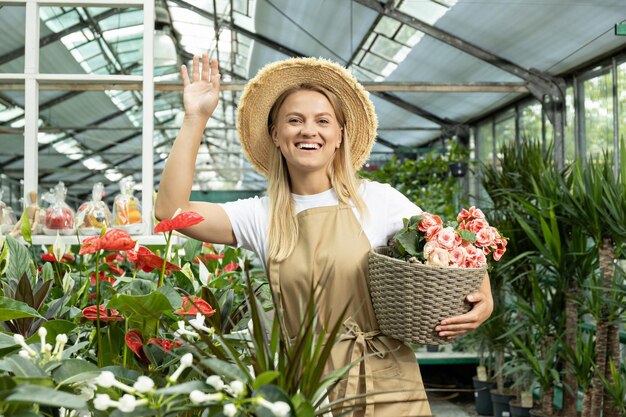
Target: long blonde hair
<point>283,223</point>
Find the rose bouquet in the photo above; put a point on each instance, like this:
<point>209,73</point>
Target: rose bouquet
<point>466,243</point>
<point>446,262</point>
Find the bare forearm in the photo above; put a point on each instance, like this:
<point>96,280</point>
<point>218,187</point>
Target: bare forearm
<point>177,177</point>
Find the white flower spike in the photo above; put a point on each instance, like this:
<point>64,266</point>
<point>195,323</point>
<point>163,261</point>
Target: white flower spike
<point>216,382</point>
<point>144,384</point>
<point>230,410</point>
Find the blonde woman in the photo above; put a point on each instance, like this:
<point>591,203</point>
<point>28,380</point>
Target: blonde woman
<point>308,126</point>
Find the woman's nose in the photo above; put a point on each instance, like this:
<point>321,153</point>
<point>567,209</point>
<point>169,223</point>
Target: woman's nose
<point>308,129</point>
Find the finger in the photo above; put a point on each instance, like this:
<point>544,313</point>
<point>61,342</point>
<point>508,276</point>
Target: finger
<point>205,66</point>
<point>456,328</point>
<point>185,75</point>
<point>215,74</point>
<point>195,70</point>
<point>475,297</point>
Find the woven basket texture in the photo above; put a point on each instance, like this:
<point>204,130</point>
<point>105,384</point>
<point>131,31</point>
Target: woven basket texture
<point>411,299</point>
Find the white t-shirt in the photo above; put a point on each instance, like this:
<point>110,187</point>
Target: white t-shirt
<point>387,207</point>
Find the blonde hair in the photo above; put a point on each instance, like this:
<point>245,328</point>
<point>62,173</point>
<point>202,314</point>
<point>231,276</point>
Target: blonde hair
<point>283,223</point>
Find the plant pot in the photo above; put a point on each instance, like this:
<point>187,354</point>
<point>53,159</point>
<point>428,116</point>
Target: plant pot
<point>500,402</point>
<point>517,410</point>
<point>482,397</point>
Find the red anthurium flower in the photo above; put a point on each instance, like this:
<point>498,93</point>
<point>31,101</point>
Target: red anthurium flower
<point>90,313</point>
<point>233,266</point>
<point>147,261</point>
<point>165,344</point>
<point>90,245</point>
<point>115,257</point>
<point>116,239</point>
<point>116,270</point>
<point>208,245</point>
<point>134,340</point>
<point>193,305</point>
<point>49,257</point>
<point>186,219</point>
<point>102,276</point>
<point>208,257</point>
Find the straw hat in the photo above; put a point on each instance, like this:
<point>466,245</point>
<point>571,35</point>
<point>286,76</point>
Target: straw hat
<point>275,78</point>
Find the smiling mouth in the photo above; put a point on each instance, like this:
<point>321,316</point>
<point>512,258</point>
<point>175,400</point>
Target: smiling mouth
<point>308,146</point>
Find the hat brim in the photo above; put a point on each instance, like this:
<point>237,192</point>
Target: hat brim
<point>272,80</point>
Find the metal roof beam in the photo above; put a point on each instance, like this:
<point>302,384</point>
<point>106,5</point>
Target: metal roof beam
<point>545,81</point>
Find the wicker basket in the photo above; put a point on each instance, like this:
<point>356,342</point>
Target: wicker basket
<point>411,299</point>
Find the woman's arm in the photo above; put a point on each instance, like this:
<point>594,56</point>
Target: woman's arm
<point>200,97</point>
<point>482,308</point>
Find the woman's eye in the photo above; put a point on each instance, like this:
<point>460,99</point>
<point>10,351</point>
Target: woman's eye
<point>324,121</point>
<point>294,120</point>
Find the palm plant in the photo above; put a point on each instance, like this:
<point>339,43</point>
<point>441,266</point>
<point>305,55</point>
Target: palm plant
<point>598,204</point>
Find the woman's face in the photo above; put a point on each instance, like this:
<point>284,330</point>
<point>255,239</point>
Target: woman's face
<point>307,132</point>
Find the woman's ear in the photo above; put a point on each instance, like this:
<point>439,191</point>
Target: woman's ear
<point>274,136</point>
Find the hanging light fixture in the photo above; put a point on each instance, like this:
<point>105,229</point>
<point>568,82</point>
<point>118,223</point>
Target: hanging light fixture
<point>164,46</point>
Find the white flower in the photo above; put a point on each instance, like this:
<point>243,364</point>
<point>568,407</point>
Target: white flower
<point>58,248</point>
<point>185,361</point>
<point>144,384</point>
<point>128,403</point>
<point>102,402</point>
<point>19,340</point>
<point>67,283</point>
<point>42,332</point>
<point>61,340</point>
<point>182,331</point>
<point>237,388</point>
<point>106,379</point>
<point>216,382</point>
<point>230,410</point>
<point>24,353</point>
<point>199,397</point>
<point>280,409</point>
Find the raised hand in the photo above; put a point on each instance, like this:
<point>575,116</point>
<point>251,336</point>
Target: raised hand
<point>200,96</point>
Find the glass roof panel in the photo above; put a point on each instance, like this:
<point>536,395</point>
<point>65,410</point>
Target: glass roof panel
<point>426,11</point>
<point>131,17</point>
<point>387,26</point>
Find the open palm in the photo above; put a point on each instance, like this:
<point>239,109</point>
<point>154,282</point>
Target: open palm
<point>201,94</point>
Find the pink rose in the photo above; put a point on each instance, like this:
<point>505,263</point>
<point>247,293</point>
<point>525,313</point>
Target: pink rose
<point>481,260</point>
<point>498,254</point>
<point>438,257</point>
<point>477,225</point>
<point>448,238</point>
<point>471,214</point>
<point>428,221</point>
<point>432,231</point>
<point>471,252</point>
<point>485,237</point>
<point>429,247</point>
<point>457,256</point>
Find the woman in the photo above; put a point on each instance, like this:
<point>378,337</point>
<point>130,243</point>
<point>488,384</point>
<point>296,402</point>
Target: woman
<point>308,126</point>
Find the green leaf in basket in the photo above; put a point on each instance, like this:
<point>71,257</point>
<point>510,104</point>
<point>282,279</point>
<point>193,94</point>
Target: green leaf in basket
<point>467,235</point>
<point>407,240</point>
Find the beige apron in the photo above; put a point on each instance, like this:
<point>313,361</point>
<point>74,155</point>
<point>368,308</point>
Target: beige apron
<point>332,247</point>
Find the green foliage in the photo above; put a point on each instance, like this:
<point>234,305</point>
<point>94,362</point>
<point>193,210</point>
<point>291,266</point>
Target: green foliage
<point>425,181</point>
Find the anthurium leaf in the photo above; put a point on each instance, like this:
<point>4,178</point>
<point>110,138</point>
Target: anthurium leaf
<point>41,293</point>
<point>45,396</point>
<point>47,273</point>
<point>192,247</point>
<point>74,370</point>
<point>264,378</point>
<point>19,259</point>
<point>146,306</point>
<point>224,368</point>
<point>173,297</point>
<point>184,388</point>
<point>11,309</point>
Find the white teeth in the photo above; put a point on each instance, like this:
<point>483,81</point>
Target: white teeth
<point>308,146</point>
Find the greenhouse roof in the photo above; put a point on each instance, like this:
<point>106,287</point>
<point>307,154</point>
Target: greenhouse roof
<point>430,65</point>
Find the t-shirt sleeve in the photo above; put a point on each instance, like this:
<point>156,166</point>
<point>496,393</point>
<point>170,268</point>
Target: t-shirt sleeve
<point>248,218</point>
<point>387,208</point>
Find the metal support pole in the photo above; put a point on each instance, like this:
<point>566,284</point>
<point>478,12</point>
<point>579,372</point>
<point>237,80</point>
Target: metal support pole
<point>31,99</point>
<point>147,157</point>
